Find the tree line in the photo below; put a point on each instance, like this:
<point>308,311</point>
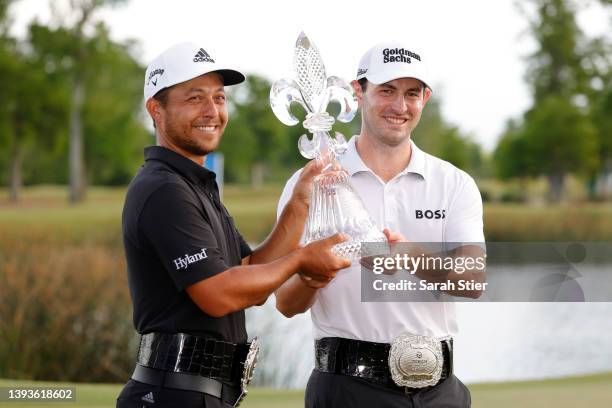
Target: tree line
<point>71,109</point>
<point>71,102</point>
<point>568,129</point>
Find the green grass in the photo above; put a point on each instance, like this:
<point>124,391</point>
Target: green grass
<point>533,190</point>
<point>47,207</point>
<point>593,391</point>
<point>254,211</point>
<point>561,222</point>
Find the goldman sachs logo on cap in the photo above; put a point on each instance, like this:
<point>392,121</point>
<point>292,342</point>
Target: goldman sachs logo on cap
<point>399,55</point>
<point>202,56</point>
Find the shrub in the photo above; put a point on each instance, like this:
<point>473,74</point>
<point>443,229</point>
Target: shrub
<point>65,312</point>
<point>512,197</point>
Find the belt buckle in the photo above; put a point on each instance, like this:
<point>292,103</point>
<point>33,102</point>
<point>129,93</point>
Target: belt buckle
<point>249,368</point>
<point>416,361</point>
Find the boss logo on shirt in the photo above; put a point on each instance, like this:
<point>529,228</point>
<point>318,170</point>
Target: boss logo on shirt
<point>184,261</point>
<point>430,214</point>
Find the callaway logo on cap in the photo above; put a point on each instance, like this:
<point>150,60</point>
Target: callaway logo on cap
<point>183,62</point>
<point>392,60</point>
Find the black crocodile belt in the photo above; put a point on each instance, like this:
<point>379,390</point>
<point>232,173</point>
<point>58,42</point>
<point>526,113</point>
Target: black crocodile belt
<point>189,354</point>
<point>368,360</point>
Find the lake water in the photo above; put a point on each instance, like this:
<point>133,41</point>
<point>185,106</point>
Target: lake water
<point>497,342</point>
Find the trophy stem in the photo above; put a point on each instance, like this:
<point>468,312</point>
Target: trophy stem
<point>327,151</point>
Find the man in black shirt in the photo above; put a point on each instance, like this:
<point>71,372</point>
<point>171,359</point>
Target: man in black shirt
<point>190,272</point>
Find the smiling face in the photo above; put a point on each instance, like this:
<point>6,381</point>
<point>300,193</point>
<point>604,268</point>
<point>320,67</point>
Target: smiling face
<point>191,118</point>
<point>390,111</point>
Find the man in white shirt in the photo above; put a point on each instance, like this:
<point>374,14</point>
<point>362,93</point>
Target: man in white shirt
<point>422,199</point>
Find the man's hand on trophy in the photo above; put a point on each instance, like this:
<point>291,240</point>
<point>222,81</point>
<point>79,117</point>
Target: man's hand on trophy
<point>303,188</point>
<point>398,244</point>
<point>319,262</point>
<point>314,283</point>
<point>394,237</point>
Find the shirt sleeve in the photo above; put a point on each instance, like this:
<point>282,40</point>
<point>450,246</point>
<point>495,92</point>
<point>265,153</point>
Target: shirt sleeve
<point>245,249</point>
<point>181,236</point>
<point>464,221</point>
<point>287,192</point>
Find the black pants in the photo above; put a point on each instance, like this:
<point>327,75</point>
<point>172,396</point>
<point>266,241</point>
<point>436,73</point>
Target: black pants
<point>326,390</point>
<point>138,395</point>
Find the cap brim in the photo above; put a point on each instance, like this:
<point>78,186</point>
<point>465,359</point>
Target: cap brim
<point>230,76</point>
<point>386,77</point>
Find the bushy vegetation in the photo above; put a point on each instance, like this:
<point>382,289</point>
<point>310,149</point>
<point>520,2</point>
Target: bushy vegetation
<point>65,312</point>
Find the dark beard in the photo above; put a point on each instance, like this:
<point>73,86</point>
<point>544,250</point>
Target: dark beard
<point>193,148</point>
<point>184,142</point>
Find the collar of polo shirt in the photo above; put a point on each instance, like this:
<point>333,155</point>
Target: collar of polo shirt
<point>352,163</point>
<point>186,167</point>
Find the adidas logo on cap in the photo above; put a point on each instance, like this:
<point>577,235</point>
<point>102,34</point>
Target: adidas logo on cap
<point>202,56</point>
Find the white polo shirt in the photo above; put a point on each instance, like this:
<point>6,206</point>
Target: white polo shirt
<point>426,185</point>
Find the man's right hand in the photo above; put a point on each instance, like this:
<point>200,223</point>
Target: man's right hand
<point>319,264</point>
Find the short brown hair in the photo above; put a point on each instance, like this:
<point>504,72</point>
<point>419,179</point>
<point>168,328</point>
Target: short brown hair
<point>363,82</point>
<point>162,98</point>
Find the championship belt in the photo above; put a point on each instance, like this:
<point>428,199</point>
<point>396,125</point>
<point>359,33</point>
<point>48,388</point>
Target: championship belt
<point>416,361</point>
<point>249,368</point>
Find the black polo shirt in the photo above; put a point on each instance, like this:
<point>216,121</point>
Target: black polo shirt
<point>176,232</point>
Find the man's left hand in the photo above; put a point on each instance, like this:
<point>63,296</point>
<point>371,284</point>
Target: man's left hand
<point>303,187</point>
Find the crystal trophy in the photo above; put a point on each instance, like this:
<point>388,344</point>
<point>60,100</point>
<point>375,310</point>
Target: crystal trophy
<point>335,207</point>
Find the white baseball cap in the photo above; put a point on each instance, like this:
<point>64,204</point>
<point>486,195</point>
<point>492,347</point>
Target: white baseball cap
<point>183,62</point>
<point>392,60</point>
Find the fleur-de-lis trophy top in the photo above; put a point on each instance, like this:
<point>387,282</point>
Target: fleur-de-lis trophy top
<point>335,206</point>
<point>313,90</point>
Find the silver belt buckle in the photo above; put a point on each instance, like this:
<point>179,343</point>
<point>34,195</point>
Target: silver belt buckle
<point>416,361</point>
<point>249,368</point>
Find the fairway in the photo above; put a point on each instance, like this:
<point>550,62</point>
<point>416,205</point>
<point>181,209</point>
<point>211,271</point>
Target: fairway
<point>254,210</point>
<point>577,392</point>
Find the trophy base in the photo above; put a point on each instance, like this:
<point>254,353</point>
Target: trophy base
<point>352,249</point>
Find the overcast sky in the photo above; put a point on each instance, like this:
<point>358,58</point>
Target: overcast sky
<point>474,49</point>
